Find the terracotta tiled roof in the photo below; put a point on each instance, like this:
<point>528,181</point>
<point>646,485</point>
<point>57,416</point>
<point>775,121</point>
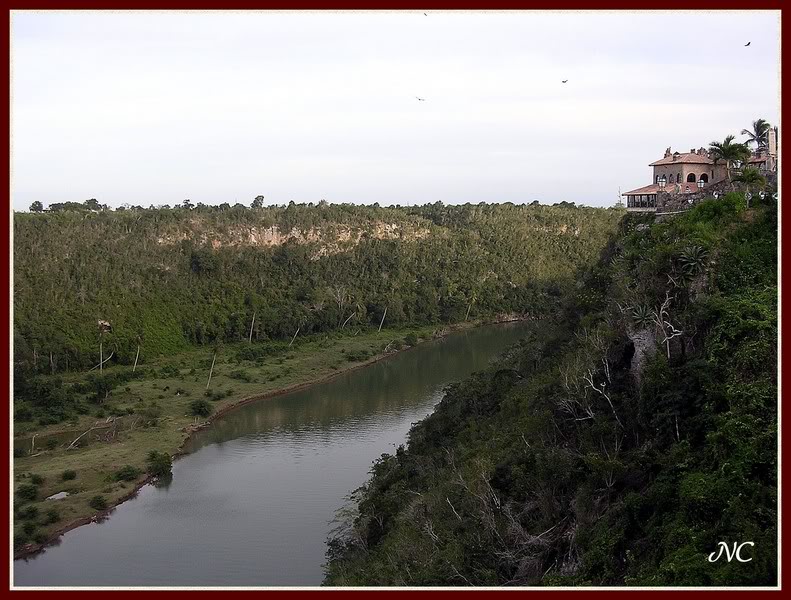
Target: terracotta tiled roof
<point>681,158</point>
<point>757,159</point>
<point>649,189</point>
<point>670,187</point>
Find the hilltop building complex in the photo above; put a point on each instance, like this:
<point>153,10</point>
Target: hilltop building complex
<point>683,176</point>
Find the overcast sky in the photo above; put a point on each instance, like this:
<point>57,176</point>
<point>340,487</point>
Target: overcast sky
<point>152,108</point>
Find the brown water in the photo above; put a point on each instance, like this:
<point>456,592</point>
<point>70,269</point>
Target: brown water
<point>253,502</point>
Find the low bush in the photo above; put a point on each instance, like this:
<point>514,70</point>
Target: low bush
<point>98,503</point>
<point>52,516</point>
<point>127,473</point>
<point>357,355</point>
<point>159,464</point>
<point>28,513</point>
<point>27,492</point>
<point>29,528</point>
<point>200,408</point>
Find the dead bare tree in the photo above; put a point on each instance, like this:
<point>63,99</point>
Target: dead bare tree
<point>136,357</point>
<point>601,390</point>
<point>347,319</point>
<point>575,401</point>
<point>295,336</point>
<point>383,320</point>
<point>339,295</point>
<point>70,446</point>
<point>469,307</point>
<point>212,369</point>
<point>99,366</point>
<point>250,337</point>
<point>661,318</point>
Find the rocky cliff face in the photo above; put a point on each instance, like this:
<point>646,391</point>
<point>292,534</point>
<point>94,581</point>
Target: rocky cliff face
<point>333,238</point>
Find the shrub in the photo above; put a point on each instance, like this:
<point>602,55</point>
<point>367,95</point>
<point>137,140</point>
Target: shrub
<point>36,479</point>
<point>200,408</point>
<point>410,339</point>
<point>98,503</point>
<point>23,414</point>
<point>159,464</point>
<point>52,516</point>
<point>68,475</point>
<point>27,492</point>
<point>127,473</point>
<point>51,444</point>
<point>242,375</point>
<point>28,513</point>
<point>169,371</point>
<point>358,355</point>
<point>29,528</point>
<point>40,537</point>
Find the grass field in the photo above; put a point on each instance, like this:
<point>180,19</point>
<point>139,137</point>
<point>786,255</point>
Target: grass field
<point>170,385</point>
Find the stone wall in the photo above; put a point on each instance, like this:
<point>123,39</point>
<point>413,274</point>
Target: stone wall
<point>673,202</point>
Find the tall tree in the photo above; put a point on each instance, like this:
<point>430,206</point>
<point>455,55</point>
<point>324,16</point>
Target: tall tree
<point>728,151</point>
<point>36,207</point>
<point>759,134</point>
<point>753,179</point>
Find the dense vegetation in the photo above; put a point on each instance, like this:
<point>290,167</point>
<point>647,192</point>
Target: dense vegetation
<point>619,443</point>
<point>139,284</point>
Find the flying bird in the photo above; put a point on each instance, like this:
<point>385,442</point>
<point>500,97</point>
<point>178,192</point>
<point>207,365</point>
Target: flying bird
<point>565,81</point>
<point>747,44</point>
<point>425,15</point>
<point>420,99</point>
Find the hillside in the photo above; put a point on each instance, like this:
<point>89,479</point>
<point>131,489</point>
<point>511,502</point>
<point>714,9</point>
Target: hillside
<point>618,444</point>
<point>171,278</point>
<point>184,286</point>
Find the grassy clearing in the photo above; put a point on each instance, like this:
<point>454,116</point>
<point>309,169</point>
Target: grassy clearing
<point>170,385</point>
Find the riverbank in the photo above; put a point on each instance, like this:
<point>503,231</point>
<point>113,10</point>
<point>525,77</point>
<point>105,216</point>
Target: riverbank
<point>313,363</point>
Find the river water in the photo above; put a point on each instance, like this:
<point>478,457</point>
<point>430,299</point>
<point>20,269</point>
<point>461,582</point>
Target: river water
<point>252,503</point>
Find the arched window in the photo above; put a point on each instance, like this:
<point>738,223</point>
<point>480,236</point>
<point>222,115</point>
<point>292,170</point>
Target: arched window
<point>678,178</point>
<point>656,179</point>
<point>704,178</point>
<point>691,178</point>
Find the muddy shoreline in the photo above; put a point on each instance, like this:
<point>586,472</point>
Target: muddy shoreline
<point>33,549</point>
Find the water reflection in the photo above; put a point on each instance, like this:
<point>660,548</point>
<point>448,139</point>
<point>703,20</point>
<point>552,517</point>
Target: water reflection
<point>253,502</point>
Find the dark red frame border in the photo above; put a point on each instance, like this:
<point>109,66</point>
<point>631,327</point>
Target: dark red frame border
<point>11,5</point>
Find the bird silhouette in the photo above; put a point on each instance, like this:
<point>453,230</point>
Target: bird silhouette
<point>565,81</point>
<point>425,15</point>
<point>420,99</point>
<point>747,44</point>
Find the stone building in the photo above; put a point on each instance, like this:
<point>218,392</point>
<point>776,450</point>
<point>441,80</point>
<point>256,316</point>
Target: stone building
<point>678,174</point>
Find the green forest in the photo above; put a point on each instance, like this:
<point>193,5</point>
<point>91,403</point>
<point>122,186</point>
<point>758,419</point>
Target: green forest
<point>618,444</point>
<point>136,285</point>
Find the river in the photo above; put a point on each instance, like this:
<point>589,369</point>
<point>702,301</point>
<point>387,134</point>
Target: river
<point>252,503</point>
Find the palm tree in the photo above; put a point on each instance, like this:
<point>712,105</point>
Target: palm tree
<point>728,151</point>
<point>751,177</point>
<point>759,135</point>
